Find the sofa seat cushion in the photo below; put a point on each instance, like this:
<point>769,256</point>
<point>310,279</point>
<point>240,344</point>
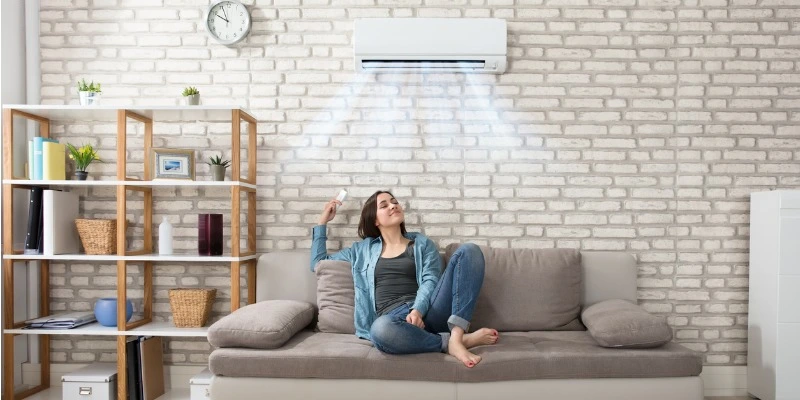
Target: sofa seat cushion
<point>518,356</point>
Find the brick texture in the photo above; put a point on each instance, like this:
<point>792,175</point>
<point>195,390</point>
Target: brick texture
<point>636,126</point>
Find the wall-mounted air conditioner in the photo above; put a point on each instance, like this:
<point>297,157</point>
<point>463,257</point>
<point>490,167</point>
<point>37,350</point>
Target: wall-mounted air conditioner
<point>474,45</point>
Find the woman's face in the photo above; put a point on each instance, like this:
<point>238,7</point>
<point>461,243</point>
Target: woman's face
<point>390,213</point>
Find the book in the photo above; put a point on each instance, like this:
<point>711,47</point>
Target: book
<point>54,163</point>
<point>151,361</point>
<point>66,320</point>
<point>134,375</point>
<point>59,211</point>
<point>37,156</point>
<point>29,164</point>
<point>34,219</point>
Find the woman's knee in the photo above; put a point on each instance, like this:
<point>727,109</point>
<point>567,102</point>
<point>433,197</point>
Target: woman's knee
<point>381,332</point>
<point>473,253</point>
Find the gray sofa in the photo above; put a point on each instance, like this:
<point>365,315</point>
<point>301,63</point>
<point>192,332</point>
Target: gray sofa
<point>563,364</point>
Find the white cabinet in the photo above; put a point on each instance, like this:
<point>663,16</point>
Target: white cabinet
<point>773,345</point>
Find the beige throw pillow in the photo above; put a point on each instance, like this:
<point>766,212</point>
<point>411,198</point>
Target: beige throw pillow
<point>263,325</point>
<point>621,324</point>
<point>335,297</point>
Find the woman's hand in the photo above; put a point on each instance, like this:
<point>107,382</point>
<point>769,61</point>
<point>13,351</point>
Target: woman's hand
<point>329,211</point>
<point>415,318</point>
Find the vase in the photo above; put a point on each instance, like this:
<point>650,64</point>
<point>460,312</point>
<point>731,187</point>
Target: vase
<point>89,98</point>
<point>218,172</point>
<point>81,175</point>
<point>105,310</point>
<point>165,237</point>
<point>193,100</point>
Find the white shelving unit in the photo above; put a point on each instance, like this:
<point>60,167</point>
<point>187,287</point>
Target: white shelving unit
<point>242,186</point>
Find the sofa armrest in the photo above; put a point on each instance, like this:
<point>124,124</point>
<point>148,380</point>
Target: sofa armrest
<point>264,325</point>
<point>621,324</point>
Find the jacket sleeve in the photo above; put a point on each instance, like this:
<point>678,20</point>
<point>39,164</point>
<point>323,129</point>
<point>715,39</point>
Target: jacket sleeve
<point>319,250</point>
<point>431,269</point>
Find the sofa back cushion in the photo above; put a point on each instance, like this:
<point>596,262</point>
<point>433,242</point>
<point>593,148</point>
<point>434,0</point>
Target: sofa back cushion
<point>335,297</point>
<point>528,289</point>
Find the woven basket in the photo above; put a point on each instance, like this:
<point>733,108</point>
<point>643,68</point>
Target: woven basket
<point>99,236</point>
<point>191,307</point>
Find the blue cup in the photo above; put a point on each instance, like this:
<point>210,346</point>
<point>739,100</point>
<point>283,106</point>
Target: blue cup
<point>105,310</point>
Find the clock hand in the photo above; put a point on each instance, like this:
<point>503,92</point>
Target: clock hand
<point>224,12</point>
<point>221,17</point>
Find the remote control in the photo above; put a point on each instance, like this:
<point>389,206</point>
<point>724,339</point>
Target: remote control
<point>341,197</point>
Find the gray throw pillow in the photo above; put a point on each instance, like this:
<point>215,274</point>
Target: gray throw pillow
<point>263,325</point>
<point>335,297</point>
<point>621,324</point>
<point>528,290</point>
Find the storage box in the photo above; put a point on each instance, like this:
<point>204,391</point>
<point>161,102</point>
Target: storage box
<point>96,381</point>
<point>200,385</point>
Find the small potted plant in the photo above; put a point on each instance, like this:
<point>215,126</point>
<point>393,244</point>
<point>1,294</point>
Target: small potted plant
<point>218,166</point>
<point>191,96</point>
<point>89,93</point>
<point>83,156</point>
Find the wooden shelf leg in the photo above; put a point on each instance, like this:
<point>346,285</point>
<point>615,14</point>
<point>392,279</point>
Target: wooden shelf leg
<point>235,285</point>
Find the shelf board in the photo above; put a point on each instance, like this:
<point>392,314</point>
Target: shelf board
<point>165,329</point>
<point>108,113</point>
<point>55,393</point>
<point>168,183</point>
<point>226,257</point>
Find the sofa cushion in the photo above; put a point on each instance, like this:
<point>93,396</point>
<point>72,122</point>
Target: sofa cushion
<point>528,290</point>
<point>335,297</point>
<point>263,325</point>
<point>517,356</point>
<point>621,324</point>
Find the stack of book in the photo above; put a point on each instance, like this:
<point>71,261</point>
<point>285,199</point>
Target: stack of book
<point>51,222</point>
<point>46,159</point>
<point>62,321</point>
<point>145,365</point>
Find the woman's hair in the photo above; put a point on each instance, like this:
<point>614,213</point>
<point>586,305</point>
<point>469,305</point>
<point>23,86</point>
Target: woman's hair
<point>366,226</point>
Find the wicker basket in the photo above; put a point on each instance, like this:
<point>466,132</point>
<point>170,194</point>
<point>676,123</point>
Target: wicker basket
<point>191,307</point>
<point>99,236</point>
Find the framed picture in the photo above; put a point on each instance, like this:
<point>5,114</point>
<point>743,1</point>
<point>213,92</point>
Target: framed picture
<point>173,164</point>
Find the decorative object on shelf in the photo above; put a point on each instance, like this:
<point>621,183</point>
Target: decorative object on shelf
<point>98,236</point>
<point>191,307</point>
<point>218,167</point>
<point>89,94</point>
<point>165,237</point>
<point>173,164</point>
<point>227,21</point>
<point>83,156</point>
<point>209,234</point>
<point>191,96</point>
<point>105,310</point>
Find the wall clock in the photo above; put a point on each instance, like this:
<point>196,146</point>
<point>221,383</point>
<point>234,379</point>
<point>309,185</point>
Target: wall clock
<point>227,21</point>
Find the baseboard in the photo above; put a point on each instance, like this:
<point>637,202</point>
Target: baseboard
<point>177,376</point>
<point>717,381</point>
<point>724,380</point>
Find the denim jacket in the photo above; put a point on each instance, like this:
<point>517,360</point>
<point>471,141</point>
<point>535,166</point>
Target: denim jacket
<point>363,255</point>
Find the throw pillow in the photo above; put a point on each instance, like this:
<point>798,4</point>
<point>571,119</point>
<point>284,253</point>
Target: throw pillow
<point>528,290</point>
<point>263,325</point>
<point>335,297</point>
<point>621,324</point>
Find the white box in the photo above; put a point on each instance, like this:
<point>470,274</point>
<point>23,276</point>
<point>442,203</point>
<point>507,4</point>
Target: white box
<point>200,385</point>
<point>96,381</point>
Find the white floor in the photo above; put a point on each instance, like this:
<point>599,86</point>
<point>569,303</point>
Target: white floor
<point>54,393</point>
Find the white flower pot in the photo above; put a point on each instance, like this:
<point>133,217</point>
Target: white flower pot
<point>89,98</point>
<point>193,100</point>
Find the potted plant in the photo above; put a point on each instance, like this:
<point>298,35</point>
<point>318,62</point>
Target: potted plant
<point>83,156</point>
<point>218,166</point>
<point>191,96</point>
<point>89,93</point>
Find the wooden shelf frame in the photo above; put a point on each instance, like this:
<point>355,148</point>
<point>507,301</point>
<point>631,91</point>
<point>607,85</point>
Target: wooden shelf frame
<point>244,187</point>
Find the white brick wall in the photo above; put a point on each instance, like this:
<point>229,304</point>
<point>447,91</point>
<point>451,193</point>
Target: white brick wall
<point>637,126</point>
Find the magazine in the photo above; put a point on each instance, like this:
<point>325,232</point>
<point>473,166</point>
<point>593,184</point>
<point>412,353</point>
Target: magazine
<point>66,320</point>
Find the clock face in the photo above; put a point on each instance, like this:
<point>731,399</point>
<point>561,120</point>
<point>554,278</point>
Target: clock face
<point>228,21</point>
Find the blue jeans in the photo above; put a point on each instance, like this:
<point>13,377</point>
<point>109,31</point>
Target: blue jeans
<point>452,305</point>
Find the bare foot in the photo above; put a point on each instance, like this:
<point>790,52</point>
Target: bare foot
<point>456,349</point>
<point>480,337</point>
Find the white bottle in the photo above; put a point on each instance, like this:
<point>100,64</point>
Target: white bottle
<point>165,237</point>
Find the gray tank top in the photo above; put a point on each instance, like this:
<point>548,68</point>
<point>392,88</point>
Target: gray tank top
<point>395,281</point>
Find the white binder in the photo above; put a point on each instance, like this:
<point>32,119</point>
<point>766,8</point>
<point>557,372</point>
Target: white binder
<point>59,211</point>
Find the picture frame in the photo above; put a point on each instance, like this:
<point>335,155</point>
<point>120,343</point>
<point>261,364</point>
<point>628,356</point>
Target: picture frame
<point>173,164</point>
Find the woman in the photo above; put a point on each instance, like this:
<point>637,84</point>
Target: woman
<point>401,304</point>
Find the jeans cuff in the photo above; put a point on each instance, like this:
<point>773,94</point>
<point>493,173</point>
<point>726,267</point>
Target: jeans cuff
<point>445,341</point>
<point>455,320</point>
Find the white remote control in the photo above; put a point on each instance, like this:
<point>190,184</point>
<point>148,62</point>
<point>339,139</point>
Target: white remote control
<point>341,197</point>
